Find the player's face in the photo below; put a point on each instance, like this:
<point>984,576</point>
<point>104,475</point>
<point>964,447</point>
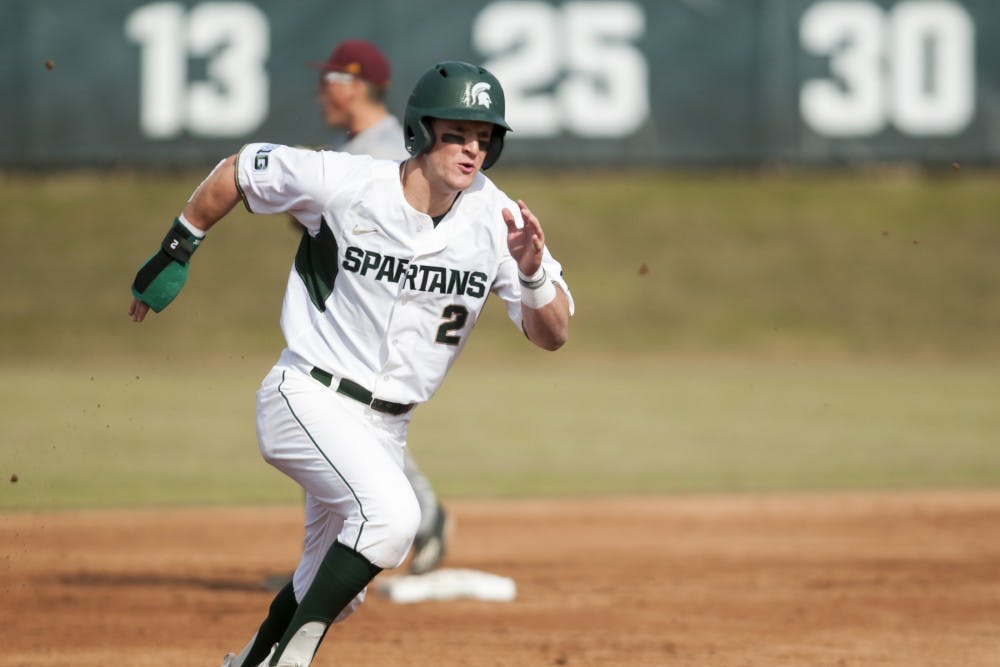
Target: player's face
<point>335,92</point>
<point>459,150</point>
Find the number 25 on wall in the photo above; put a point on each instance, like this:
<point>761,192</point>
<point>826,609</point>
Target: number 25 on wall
<point>571,69</point>
<point>233,39</point>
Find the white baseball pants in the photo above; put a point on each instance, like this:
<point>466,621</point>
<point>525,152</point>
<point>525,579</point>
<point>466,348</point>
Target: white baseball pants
<point>349,460</point>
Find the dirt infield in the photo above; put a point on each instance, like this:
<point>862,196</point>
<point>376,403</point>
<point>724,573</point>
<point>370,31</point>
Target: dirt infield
<point>857,579</point>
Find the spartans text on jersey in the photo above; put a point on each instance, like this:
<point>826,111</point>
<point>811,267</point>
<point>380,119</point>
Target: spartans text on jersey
<point>422,278</point>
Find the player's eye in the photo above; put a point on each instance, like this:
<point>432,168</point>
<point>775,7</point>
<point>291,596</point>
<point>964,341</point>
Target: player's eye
<point>458,139</point>
<point>451,138</point>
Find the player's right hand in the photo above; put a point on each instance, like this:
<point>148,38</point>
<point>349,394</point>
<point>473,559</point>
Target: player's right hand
<point>137,311</point>
<point>161,278</point>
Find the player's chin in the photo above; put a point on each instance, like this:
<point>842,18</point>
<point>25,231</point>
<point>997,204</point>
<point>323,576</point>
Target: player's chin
<point>464,174</point>
<point>461,181</point>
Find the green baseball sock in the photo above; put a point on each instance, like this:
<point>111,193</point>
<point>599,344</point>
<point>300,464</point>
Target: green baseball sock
<point>342,575</point>
<point>279,614</point>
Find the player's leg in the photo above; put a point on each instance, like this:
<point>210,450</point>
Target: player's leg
<point>279,615</point>
<point>430,543</point>
<point>349,460</point>
<point>321,529</point>
<point>362,511</point>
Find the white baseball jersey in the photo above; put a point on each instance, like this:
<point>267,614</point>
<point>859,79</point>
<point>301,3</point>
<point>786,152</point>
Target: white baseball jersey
<point>378,294</point>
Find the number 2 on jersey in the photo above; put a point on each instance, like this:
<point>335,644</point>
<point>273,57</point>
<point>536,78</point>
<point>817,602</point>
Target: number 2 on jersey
<point>454,319</point>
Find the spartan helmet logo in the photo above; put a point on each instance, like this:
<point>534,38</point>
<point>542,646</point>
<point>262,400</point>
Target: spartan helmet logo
<point>477,94</point>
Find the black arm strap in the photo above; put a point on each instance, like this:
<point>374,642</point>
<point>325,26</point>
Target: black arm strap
<point>148,272</point>
<point>179,244</point>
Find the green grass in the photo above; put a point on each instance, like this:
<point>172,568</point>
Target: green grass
<point>734,331</point>
<point>102,434</point>
<point>668,426</point>
<point>882,263</point>
<point>110,435</point>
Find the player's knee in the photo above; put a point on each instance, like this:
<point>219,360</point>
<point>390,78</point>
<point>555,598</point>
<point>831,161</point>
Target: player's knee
<point>266,452</point>
<point>397,525</point>
<point>402,527</point>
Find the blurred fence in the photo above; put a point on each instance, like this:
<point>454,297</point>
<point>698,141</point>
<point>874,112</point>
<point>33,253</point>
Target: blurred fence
<point>680,82</point>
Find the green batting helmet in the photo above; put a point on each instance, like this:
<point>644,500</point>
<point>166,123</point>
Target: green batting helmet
<point>455,91</point>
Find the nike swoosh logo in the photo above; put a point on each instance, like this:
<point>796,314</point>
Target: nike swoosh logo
<point>362,230</point>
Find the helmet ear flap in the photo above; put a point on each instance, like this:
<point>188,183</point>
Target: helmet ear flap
<point>419,137</point>
<point>428,133</point>
<point>495,147</point>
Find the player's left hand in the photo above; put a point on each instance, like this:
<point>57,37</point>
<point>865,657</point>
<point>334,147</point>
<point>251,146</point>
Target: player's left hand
<point>525,244</point>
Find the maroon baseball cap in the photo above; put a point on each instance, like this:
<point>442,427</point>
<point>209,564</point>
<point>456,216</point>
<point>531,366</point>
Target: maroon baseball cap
<point>360,58</point>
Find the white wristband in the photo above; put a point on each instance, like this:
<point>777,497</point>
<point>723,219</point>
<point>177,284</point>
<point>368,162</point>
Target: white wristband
<point>197,233</point>
<point>537,291</point>
<point>532,281</point>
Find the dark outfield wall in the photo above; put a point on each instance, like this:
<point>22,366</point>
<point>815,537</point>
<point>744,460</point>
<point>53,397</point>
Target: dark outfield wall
<point>630,81</point>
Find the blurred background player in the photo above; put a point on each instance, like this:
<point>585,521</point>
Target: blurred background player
<point>353,82</point>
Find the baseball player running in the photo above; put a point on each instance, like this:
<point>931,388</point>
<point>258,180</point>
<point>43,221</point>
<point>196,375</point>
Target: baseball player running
<point>394,267</point>
<point>353,82</point>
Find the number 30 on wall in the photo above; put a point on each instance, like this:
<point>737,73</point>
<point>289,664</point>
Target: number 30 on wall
<point>233,39</point>
<point>572,69</point>
<point>911,67</point>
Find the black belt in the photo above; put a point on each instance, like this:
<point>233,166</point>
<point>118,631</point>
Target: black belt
<point>360,394</point>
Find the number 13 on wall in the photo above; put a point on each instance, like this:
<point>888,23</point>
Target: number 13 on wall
<point>232,37</point>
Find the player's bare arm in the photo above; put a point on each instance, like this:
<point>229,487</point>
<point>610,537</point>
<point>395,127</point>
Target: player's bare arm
<point>215,197</point>
<point>548,325</point>
<point>164,274</point>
